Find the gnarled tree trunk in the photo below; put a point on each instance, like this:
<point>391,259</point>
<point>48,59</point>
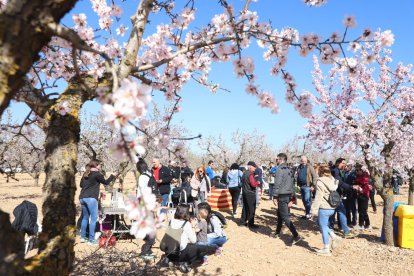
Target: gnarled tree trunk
<point>56,249</point>
<point>11,248</point>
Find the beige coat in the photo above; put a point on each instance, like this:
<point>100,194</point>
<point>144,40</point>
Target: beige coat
<point>195,185</point>
<point>324,186</point>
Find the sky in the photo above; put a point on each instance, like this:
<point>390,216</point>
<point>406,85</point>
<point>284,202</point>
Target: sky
<point>224,112</point>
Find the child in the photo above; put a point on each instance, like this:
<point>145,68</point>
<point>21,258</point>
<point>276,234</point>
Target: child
<point>364,189</point>
<point>201,230</point>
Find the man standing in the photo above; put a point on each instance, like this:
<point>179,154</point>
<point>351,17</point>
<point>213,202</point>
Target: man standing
<point>343,187</point>
<point>282,196</point>
<point>209,170</point>
<point>306,179</point>
<point>163,177</point>
<point>249,186</point>
<point>272,172</point>
<point>186,173</point>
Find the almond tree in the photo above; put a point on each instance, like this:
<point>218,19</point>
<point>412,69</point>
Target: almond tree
<point>245,147</point>
<point>366,106</point>
<point>89,58</point>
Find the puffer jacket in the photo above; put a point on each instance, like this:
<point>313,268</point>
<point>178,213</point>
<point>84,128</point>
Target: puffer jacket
<point>324,186</point>
<point>284,184</point>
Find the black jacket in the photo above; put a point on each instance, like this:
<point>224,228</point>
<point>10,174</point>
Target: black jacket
<point>343,187</point>
<point>165,176</point>
<point>90,184</point>
<point>25,218</point>
<point>247,188</point>
<point>284,181</point>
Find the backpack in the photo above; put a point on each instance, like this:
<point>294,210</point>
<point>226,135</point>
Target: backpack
<point>179,196</point>
<point>152,183</point>
<point>334,199</point>
<point>171,241</point>
<point>222,219</point>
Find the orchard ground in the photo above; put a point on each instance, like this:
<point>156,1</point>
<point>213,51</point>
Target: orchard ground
<point>246,253</point>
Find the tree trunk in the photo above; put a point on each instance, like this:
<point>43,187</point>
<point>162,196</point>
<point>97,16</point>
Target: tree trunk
<point>411,189</point>
<point>36,179</point>
<point>385,191</point>
<point>56,248</point>
<point>11,248</point>
<point>22,36</point>
<point>388,196</point>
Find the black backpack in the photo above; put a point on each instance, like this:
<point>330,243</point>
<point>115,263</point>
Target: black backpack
<point>170,243</point>
<point>152,183</point>
<point>334,199</point>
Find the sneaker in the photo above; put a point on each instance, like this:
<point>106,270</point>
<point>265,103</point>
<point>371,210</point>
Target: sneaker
<point>349,235</point>
<point>93,242</point>
<point>360,227</point>
<point>369,227</point>
<point>323,252</point>
<point>296,239</point>
<point>204,263</point>
<point>184,268</point>
<point>83,240</point>
<point>219,252</point>
<point>335,242</point>
<point>309,217</point>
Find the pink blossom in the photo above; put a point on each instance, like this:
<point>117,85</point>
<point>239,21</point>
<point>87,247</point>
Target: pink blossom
<point>349,21</point>
<point>387,38</point>
<point>64,108</point>
<point>121,30</point>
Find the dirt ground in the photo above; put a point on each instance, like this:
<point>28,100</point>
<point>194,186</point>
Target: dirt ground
<point>247,252</point>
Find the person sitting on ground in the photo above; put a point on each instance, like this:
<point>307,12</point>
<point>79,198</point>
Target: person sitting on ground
<point>190,252</point>
<point>325,184</point>
<point>215,232</point>
<point>364,189</point>
<point>201,230</point>
<point>90,182</point>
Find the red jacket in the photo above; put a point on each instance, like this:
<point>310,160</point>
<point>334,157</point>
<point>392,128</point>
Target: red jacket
<point>363,182</point>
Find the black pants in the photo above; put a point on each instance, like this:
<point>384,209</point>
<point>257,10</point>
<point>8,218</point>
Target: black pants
<point>372,197</point>
<point>351,210</point>
<point>283,215</point>
<point>146,247</point>
<point>363,211</point>
<point>193,252</point>
<point>235,193</point>
<point>249,208</point>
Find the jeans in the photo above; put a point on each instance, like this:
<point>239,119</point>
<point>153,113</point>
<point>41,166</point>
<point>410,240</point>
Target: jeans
<point>351,210</point>
<point>89,208</point>
<point>271,185</point>
<point>323,221</point>
<point>219,241</point>
<point>164,199</point>
<point>342,218</point>
<point>306,195</point>
<point>283,215</point>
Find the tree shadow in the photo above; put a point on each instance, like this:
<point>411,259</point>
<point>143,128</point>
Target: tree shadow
<point>24,197</point>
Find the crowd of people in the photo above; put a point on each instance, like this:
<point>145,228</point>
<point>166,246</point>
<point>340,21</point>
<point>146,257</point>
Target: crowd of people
<point>201,230</point>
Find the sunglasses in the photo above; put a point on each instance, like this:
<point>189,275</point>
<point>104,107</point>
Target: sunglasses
<point>201,171</point>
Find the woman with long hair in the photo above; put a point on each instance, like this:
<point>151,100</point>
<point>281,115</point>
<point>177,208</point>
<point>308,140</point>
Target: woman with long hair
<point>325,184</point>
<point>200,185</point>
<point>234,180</point>
<point>88,197</point>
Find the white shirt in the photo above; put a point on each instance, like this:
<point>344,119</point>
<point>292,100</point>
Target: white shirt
<point>188,236</point>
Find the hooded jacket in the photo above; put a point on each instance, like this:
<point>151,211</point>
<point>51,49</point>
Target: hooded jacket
<point>324,186</point>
